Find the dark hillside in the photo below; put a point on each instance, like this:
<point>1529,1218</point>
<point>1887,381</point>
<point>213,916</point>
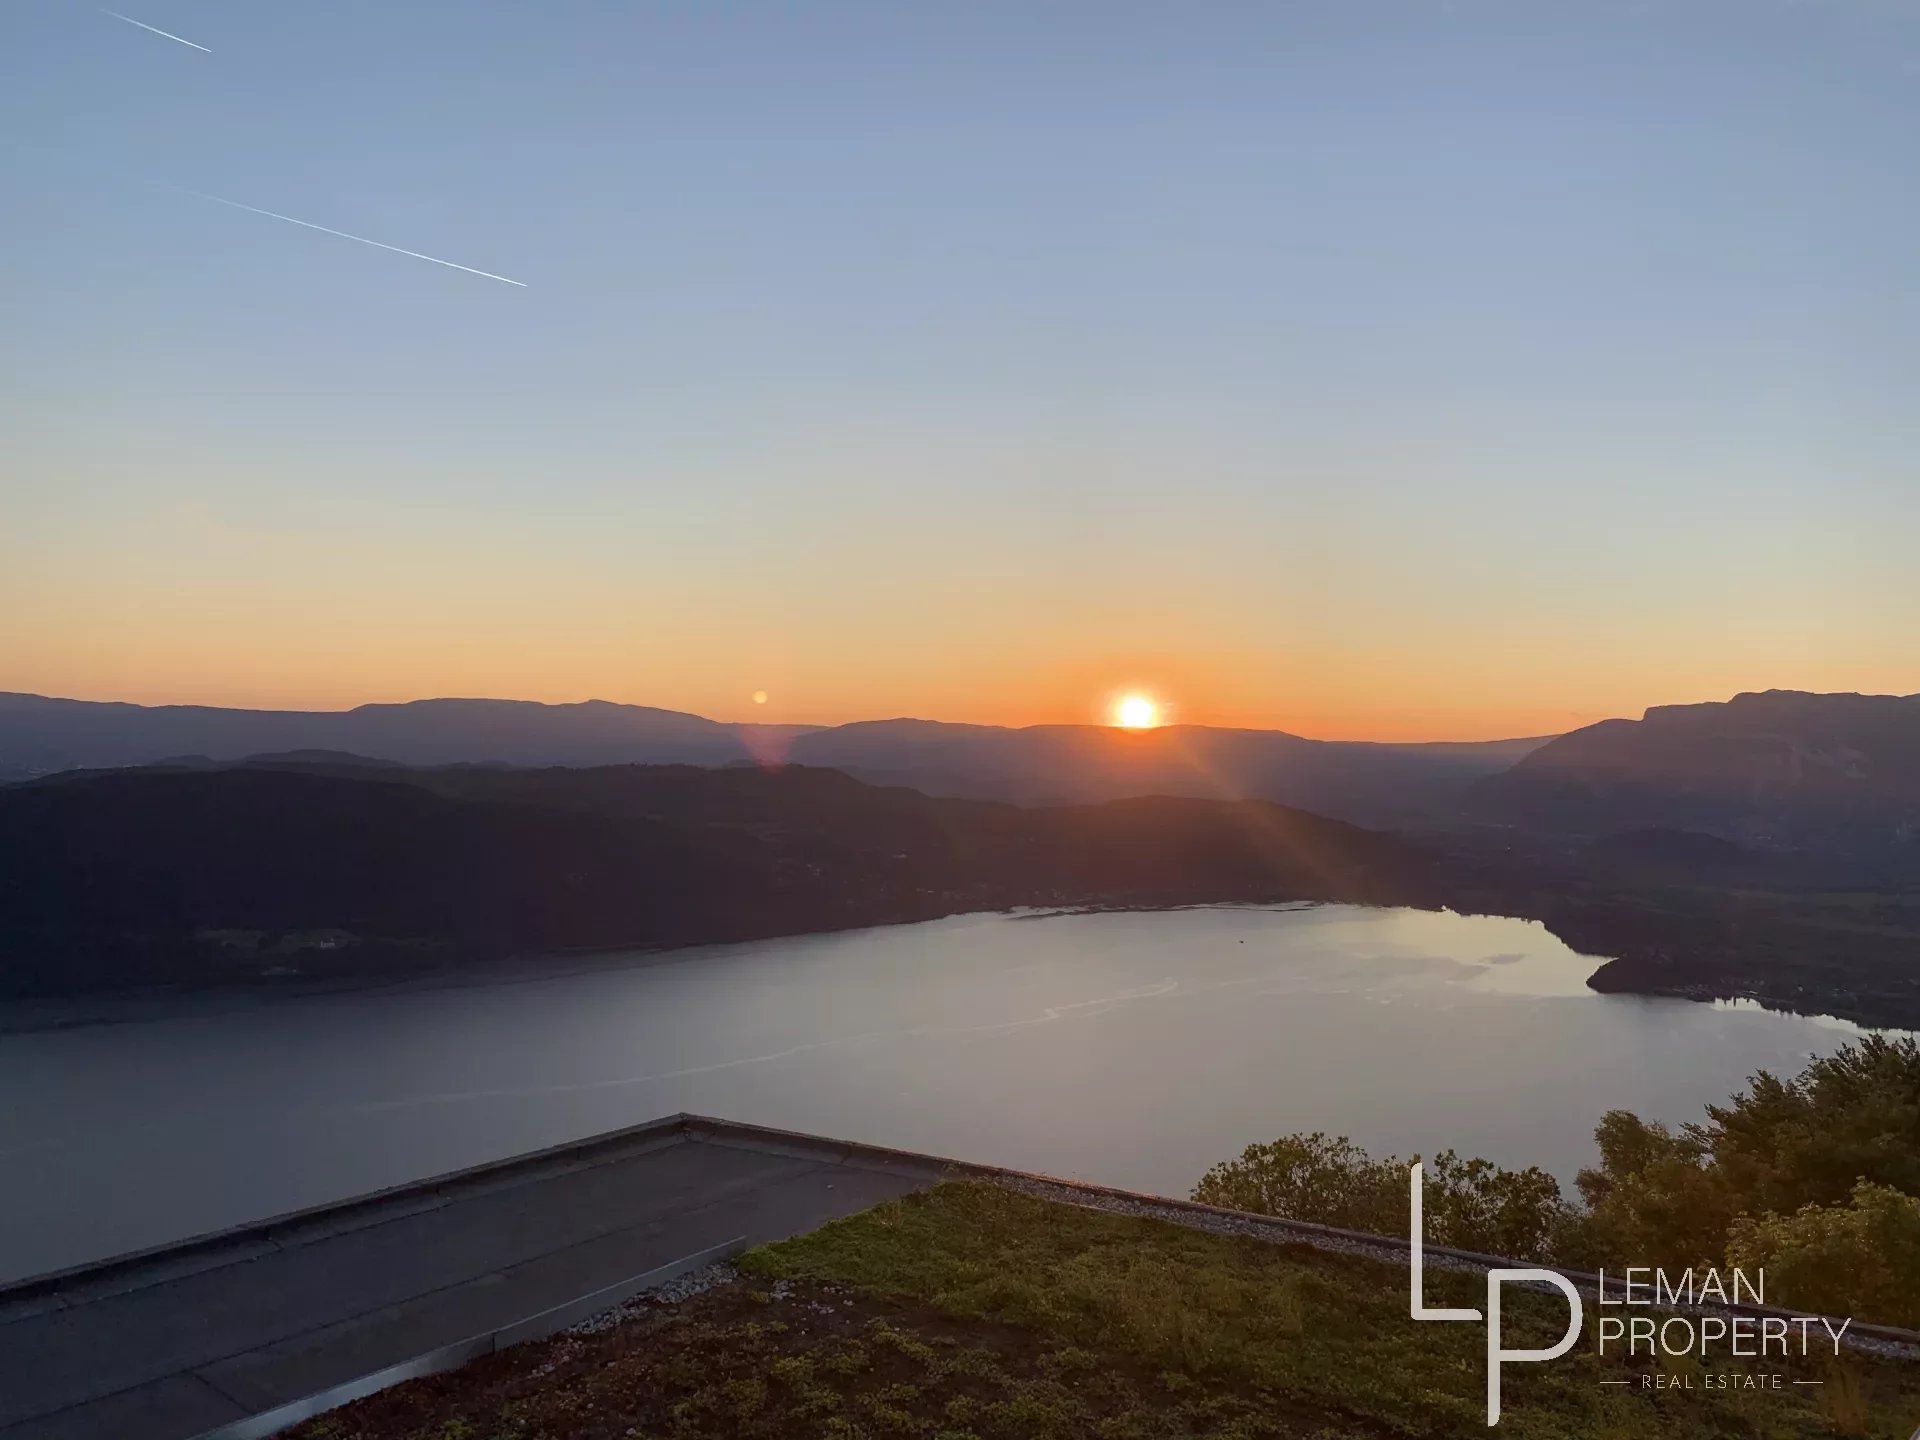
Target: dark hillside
<point>190,875</point>
<point>1780,769</point>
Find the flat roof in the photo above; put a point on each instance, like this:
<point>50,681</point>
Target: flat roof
<point>172,1343</point>
<point>221,1330</point>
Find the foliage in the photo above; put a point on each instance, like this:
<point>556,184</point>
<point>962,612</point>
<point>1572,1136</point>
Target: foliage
<point>1320,1334</point>
<point>1853,1115</point>
<point>973,1310</point>
<point>1838,1259</point>
<point>1477,1205</point>
<point>1318,1177</point>
<point>1654,1199</point>
<point>1471,1204</point>
<point>1813,1179</point>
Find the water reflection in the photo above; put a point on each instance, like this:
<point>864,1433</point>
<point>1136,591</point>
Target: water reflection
<point>1135,1048</point>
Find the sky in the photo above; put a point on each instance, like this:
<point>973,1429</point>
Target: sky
<point>1362,369</point>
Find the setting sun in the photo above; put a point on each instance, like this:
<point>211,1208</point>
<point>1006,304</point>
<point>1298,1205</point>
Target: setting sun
<point>1136,712</point>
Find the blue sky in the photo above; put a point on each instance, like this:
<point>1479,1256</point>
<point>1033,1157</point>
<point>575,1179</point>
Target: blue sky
<point>1359,368</point>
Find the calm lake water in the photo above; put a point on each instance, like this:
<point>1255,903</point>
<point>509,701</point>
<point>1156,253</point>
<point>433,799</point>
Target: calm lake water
<point>1135,1049</point>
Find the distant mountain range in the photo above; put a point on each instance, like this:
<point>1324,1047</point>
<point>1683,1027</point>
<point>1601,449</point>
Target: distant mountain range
<point>41,734</point>
<point>1780,770</point>
<point>1768,847</point>
<point>1378,784</point>
<point>1367,783</point>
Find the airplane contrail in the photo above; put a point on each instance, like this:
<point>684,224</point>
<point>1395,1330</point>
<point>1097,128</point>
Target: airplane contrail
<point>144,26</point>
<point>308,224</point>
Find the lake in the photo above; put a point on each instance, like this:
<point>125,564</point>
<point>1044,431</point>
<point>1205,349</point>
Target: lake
<point>1132,1048</point>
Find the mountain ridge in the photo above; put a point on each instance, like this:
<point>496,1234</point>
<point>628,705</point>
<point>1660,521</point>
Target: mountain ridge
<point>1776,768</point>
<point>1367,781</point>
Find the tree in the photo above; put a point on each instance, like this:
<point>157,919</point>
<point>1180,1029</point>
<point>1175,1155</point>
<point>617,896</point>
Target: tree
<point>1477,1205</point>
<point>1664,1197</point>
<point>1655,1198</point>
<point>1324,1178</point>
<point>1813,1179</point>
<point>1470,1204</point>
<point>1851,1115</point>
<point>1861,1258</point>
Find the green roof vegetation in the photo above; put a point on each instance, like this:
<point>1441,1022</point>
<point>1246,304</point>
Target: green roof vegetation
<point>972,1310</point>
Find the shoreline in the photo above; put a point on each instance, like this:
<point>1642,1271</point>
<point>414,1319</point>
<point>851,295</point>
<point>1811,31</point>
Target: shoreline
<point>39,1015</point>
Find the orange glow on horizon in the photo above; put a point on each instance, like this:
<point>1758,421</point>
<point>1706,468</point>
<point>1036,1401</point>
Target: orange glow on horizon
<point>205,653</point>
<point>170,604</point>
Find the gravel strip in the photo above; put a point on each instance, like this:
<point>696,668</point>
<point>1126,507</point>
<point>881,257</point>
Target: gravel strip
<point>696,1282</point>
<point>668,1292</point>
<point>1258,1229</point>
<point>1230,1224</point>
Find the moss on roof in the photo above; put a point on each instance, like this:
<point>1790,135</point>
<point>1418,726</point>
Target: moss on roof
<point>970,1310</point>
